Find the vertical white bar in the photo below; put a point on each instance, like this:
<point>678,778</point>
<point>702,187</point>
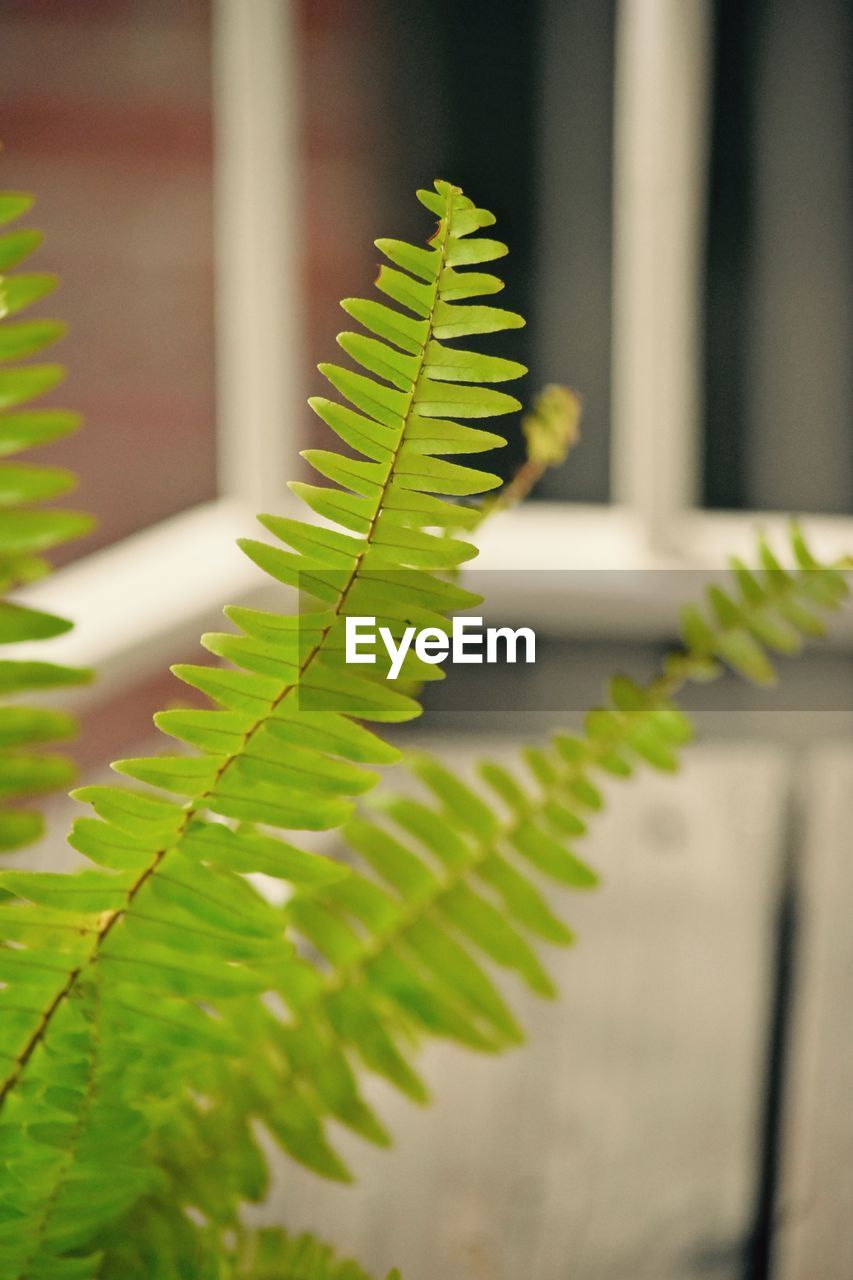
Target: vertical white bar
<point>662,73</point>
<point>256,186</point>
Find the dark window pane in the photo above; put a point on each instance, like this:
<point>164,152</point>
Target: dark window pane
<point>514,102</point>
<point>572,306</point>
<point>779,294</point>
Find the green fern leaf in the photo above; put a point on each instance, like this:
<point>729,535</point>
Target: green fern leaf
<point>27,530</point>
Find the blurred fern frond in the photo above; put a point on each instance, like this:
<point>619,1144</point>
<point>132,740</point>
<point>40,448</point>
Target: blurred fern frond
<point>451,881</point>
<point>29,529</point>
<point>167,929</point>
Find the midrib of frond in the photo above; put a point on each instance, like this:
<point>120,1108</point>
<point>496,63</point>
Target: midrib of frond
<point>198,803</point>
<point>69,1154</point>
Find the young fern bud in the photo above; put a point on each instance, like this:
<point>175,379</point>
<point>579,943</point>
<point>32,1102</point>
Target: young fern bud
<point>552,427</point>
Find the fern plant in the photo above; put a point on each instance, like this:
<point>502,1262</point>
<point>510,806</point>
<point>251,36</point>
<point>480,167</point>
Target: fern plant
<point>431,869</point>
<point>157,1009</point>
<point>27,531</point>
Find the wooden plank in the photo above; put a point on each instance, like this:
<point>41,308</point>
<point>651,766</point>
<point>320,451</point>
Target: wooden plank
<point>815,1233</point>
<point>622,1141</point>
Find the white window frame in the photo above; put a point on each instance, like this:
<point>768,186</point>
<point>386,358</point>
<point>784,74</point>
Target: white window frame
<point>136,603</point>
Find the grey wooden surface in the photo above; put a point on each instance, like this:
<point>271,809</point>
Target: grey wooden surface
<point>620,1143</point>
<point>815,1235</point>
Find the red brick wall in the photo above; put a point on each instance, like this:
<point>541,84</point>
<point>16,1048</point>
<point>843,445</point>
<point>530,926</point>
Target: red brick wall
<point>345,144</point>
<point>105,114</point>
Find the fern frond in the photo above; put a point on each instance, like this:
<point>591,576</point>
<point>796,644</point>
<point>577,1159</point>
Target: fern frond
<point>273,1255</point>
<point>177,934</point>
<point>449,883</point>
<point>769,610</point>
<point>445,885</point>
<point>160,1243</point>
<point>27,530</point>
